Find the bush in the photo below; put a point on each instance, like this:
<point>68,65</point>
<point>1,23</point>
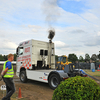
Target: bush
<point>77,88</point>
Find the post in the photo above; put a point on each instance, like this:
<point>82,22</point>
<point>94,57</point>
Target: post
<point>50,51</point>
<point>51,35</point>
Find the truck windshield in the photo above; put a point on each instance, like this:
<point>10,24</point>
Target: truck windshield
<point>64,60</point>
<point>20,51</point>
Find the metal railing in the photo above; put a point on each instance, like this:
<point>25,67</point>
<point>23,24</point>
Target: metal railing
<point>84,65</point>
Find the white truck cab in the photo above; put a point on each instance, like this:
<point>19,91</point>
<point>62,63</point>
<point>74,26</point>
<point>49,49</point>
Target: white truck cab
<point>36,61</point>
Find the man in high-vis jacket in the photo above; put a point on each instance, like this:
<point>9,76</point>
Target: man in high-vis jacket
<point>7,75</point>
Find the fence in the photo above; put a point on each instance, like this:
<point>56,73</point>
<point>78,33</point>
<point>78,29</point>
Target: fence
<point>84,65</point>
<point>79,65</point>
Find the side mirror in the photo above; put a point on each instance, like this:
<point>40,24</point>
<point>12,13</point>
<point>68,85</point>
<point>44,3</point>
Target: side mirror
<point>17,51</point>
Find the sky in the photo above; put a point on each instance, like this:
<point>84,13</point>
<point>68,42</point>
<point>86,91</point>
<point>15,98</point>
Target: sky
<point>76,23</point>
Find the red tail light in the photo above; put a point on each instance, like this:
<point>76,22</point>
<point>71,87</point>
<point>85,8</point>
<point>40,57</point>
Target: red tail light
<point>65,78</point>
<point>85,75</point>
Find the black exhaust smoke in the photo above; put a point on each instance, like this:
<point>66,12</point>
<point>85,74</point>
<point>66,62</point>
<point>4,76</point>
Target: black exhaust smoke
<point>51,10</point>
<point>51,34</point>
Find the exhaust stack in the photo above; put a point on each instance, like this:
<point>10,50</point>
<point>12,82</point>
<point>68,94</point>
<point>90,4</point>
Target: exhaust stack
<point>51,50</point>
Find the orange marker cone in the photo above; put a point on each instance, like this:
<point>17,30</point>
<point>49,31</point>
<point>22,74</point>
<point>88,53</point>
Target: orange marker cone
<point>19,94</point>
<point>98,68</point>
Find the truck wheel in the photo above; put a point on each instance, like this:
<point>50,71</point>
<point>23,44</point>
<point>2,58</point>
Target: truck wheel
<point>54,81</point>
<point>23,77</point>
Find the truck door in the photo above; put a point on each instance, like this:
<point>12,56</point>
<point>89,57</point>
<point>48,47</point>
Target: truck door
<point>19,57</point>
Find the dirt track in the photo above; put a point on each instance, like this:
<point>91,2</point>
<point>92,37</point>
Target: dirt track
<point>33,90</point>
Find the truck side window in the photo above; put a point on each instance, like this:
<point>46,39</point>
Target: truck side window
<point>20,51</point>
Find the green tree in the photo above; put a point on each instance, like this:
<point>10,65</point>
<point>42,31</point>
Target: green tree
<point>81,59</point>
<point>98,56</point>
<point>1,58</point>
<point>5,57</point>
<point>72,58</point>
<point>87,57</point>
<point>56,57</point>
<point>94,57</point>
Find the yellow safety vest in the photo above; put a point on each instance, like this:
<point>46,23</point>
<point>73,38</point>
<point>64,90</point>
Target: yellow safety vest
<point>10,72</point>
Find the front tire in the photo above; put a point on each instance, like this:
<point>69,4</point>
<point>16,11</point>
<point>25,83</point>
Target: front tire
<point>23,77</point>
<point>54,81</point>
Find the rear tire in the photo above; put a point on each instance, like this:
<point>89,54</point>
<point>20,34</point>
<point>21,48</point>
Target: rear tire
<point>23,77</point>
<point>54,81</point>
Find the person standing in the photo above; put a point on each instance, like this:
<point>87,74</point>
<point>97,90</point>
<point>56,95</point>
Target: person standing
<point>7,75</point>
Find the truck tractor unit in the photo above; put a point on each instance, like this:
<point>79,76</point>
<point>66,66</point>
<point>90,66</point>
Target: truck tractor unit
<point>36,61</point>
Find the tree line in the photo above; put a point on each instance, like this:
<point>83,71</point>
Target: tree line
<point>73,58</point>
<point>4,57</point>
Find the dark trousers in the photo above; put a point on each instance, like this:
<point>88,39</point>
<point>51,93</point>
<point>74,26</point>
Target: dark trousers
<point>10,88</point>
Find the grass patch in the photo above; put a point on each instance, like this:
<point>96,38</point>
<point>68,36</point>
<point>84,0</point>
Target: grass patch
<point>96,73</point>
